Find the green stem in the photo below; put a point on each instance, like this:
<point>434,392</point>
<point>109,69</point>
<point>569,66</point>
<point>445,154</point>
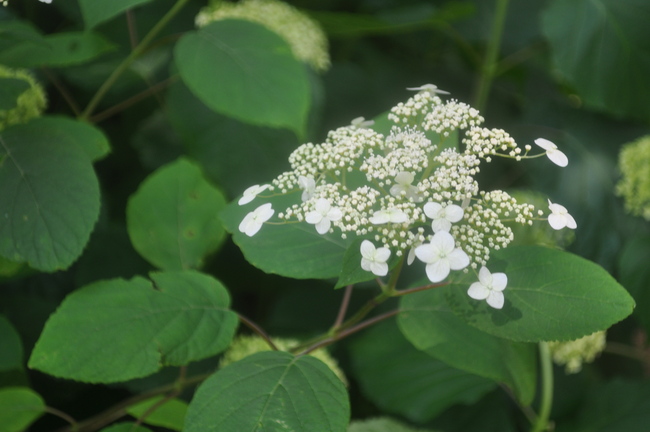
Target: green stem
<point>490,62</point>
<point>137,51</point>
<point>546,366</point>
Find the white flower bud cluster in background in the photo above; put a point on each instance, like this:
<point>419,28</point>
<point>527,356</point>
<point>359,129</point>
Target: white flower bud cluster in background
<point>411,192</point>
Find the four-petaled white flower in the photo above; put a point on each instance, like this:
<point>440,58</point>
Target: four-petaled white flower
<point>441,256</point>
<point>373,259</point>
<point>253,221</point>
<point>403,184</point>
<point>560,217</point>
<point>251,193</point>
<point>431,88</point>
<point>308,186</point>
<point>489,287</point>
<point>391,215</point>
<point>323,215</point>
<point>443,217</point>
<point>361,122</point>
<point>555,155</point>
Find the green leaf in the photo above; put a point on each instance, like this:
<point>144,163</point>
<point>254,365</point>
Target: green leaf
<point>19,407</point>
<point>170,414</point>
<point>428,323</point>
<point>270,392</point>
<point>10,89</point>
<point>382,424</point>
<point>95,12</point>
<point>90,139</point>
<point>551,295</point>
<point>608,59</point>
<point>401,380</point>
<point>245,71</point>
<point>11,348</point>
<point>172,218</point>
<point>126,427</point>
<point>293,250</point>
<point>614,406</point>
<point>116,330</point>
<point>59,50</point>
<point>49,196</point>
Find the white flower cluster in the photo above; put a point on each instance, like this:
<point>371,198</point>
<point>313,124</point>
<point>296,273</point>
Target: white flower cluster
<point>411,191</point>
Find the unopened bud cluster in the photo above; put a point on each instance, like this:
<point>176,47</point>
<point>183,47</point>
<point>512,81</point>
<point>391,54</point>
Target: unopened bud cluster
<point>411,191</point>
<point>572,354</point>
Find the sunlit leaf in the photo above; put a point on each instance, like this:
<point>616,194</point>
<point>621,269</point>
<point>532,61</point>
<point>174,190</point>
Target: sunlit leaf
<point>166,413</point>
<point>19,407</point>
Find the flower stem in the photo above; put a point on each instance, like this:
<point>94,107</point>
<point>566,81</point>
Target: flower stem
<point>488,71</point>
<point>546,367</point>
<point>257,329</point>
<point>137,51</point>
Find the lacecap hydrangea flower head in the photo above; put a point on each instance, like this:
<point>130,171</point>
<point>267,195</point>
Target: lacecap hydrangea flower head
<point>304,35</point>
<point>634,186</point>
<point>411,192</point>
<point>29,104</point>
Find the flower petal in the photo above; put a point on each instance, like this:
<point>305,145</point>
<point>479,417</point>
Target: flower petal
<point>485,276</point>
<point>556,221</point>
<point>495,299</point>
<point>427,253</point>
<point>478,291</point>
<point>323,226</point>
<point>440,225</point>
<point>545,144</point>
<point>458,259</point>
<point>557,157</point>
<point>443,241</point>
<point>499,281</point>
<point>382,254</point>
<point>323,206</point>
<point>334,214</point>
<point>313,217</point>
<point>432,210</point>
<point>398,216</point>
<point>570,222</point>
<point>379,217</point>
<point>438,270</point>
<point>453,213</point>
<point>368,250</point>
<point>379,269</point>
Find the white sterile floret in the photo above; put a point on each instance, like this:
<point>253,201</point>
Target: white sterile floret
<point>430,88</point>
<point>361,122</point>
<point>489,287</point>
<point>373,259</point>
<point>441,256</point>
<point>555,155</point>
<point>443,217</point>
<point>560,217</point>
<point>251,193</point>
<point>323,215</point>
<point>308,186</point>
<point>391,215</point>
<point>253,221</point>
<point>403,185</point>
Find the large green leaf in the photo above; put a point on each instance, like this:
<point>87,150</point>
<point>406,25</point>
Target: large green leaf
<point>172,218</point>
<point>293,250</point>
<point>169,414</point>
<point>49,196</point>
<point>608,58</point>
<point>551,295</point>
<point>402,380</point>
<point>382,424</point>
<point>19,407</point>
<point>95,12</point>
<point>428,323</point>
<point>616,406</point>
<point>117,330</point>
<point>56,50</point>
<point>245,71</point>
<point>11,347</point>
<point>10,89</point>
<point>270,392</point>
